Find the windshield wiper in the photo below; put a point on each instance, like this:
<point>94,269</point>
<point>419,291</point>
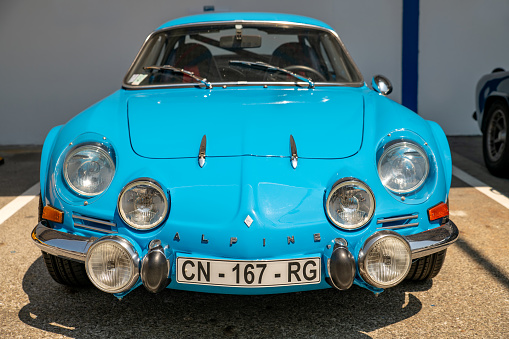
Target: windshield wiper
<point>204,81</point>
<point>270,68</point>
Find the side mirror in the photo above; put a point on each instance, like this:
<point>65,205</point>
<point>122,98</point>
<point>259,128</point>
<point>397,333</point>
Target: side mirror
<point>381,84</point>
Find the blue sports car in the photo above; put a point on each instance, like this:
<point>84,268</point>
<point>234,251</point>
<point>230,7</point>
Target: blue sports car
<point>244,154</point>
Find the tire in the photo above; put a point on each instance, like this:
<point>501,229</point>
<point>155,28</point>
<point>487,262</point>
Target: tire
<point>66,272</point>
<point>426,268</point>
<point>495,139</point>
<point>39,214</point>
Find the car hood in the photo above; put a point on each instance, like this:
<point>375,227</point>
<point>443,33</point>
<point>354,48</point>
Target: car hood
<point>325,123</point>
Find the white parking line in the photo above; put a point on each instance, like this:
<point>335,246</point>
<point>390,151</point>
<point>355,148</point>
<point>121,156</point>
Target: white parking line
<point>8,210</point>
<point>490,192</point>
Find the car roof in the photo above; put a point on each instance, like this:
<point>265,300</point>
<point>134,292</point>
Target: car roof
<point>237,16</point>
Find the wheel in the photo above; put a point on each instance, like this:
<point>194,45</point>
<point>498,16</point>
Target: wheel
<point>66,272</point>
<point>495,148</point>
<point>303,68</point>
<point>427,267</point>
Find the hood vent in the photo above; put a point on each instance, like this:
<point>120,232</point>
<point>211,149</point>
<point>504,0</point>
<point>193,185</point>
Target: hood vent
<point>201,153</point>
<point>293,150</point>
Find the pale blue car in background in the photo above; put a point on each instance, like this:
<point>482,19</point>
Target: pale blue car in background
<point>244,154</point>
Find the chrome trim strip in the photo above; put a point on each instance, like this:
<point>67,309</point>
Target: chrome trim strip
<point>259,22</point>
<point>415,224</point>
<point>98,221</point>
<point>92,228</point>
<point>239,83</point>
<point>61,244</point>
<point>432,241</point>
<point>405,217</point>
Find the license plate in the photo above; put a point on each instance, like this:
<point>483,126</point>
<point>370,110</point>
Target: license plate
<point>262,273</point>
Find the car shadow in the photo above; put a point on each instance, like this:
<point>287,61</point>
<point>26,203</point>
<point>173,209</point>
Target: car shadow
<point>88,312</point>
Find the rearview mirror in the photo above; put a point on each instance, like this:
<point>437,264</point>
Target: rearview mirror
<point>246,41</point>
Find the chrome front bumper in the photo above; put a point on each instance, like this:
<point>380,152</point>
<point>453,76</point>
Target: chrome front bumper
<point>434,240</point>
<point>75,247</point>
<point>61,244</point>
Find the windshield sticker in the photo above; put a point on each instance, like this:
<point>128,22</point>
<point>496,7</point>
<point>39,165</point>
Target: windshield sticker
<point>136,79</point>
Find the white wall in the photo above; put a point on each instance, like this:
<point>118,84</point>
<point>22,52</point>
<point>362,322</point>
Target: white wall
<point>58,57</point>
<point>460,40</point>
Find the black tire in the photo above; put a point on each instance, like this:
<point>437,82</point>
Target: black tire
<point>66,272</point>
<point>39,215</point>
<point>495,139</point>
<point>426,268</point>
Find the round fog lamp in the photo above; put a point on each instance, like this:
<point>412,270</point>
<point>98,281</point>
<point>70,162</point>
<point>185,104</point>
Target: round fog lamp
<point>385,259</point>
<point>112,264</point>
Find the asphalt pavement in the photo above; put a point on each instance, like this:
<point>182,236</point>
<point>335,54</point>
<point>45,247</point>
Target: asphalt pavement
<point>469,298</point>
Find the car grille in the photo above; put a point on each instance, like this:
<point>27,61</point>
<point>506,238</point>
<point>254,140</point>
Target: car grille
<point>398,222</point>
<point>94,224</point>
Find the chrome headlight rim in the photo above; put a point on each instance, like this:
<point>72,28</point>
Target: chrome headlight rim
<point>98,148</point>
<point>404,143</point>
<point>129,250</point>
<point>149,182</point>
<point>363,255</point>
<point>343,182</point>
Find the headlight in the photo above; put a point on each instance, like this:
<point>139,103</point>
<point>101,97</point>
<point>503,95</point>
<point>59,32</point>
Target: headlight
<point>403,167</point>
<point>350,204</point>
<point>88,170</point>
<point>112,264</point>
<point>385,259</point>
<point>142,204</point>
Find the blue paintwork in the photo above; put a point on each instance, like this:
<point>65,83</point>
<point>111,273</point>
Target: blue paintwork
<point>229,16</point>
<point>156,133</point>
<point>254,121</point>
<point>45,157</point>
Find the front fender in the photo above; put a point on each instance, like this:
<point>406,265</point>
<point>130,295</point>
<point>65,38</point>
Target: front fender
<point>443,151</point>
<point>47,150</point>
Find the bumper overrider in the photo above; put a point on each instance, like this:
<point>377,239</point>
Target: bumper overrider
<point>154,269</point>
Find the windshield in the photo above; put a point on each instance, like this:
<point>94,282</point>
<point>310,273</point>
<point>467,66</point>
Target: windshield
<point>233,53</point>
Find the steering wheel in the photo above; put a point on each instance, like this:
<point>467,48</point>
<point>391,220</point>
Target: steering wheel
<point>294,68</point>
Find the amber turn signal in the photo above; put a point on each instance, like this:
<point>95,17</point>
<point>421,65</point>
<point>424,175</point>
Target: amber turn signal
<point>52,214</point>
<point>439,211</point>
